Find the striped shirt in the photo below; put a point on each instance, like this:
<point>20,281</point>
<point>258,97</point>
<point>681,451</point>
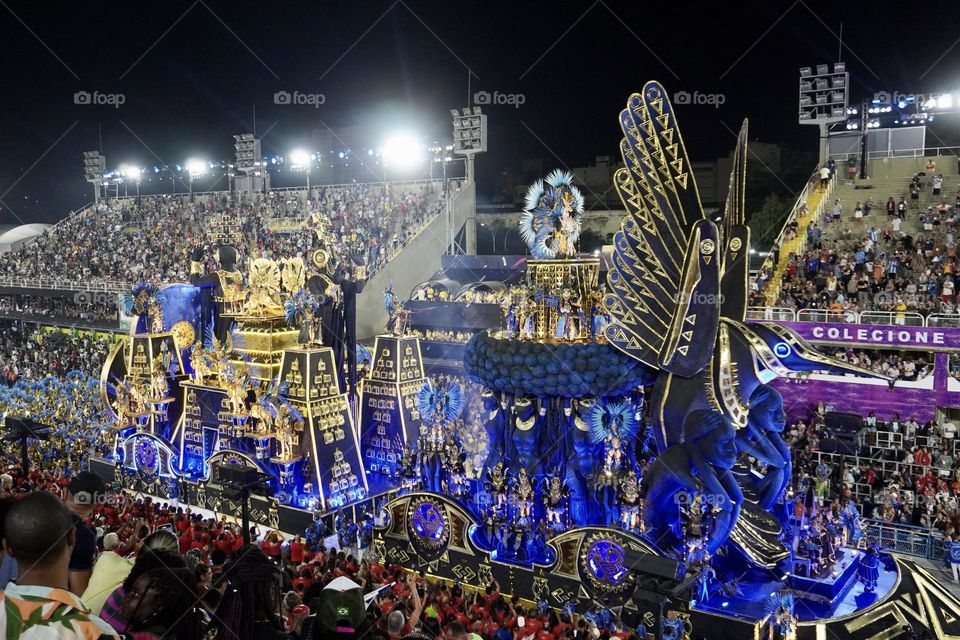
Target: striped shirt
<point>30,612</point>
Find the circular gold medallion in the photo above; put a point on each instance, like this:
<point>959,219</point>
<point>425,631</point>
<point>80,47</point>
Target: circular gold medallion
<point>707,246</point>
<point>183,334</point>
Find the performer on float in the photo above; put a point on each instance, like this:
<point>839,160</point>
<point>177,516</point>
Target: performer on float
<point>409,468</point>
<point>289,426</point>
<point>599,316</point>
<point>783,621</point>
<point>850,517</point>
<point>523,497</point>
<point>629,502</point>
<point>527,318</point>
<point>612,426</point>
<point>496,485</point>
<point>869,569</point>
<point>556,498</point>
<point>508,305</point>
<point>564,329</point>
<point>439,403</point>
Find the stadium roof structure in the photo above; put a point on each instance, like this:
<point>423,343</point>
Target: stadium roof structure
<point>15,237</point>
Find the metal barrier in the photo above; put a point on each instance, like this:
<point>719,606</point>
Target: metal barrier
<point>826,315</point>
<point>906,539</point>
<point>891,318</point>
<point>897,318</point>
<point>65,285</point>
<point>939,320</point>
<point>779,314</point>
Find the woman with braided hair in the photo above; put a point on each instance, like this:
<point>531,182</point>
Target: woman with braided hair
<point>146,561</point>
<point>163,603</point>
<point>250,609</point>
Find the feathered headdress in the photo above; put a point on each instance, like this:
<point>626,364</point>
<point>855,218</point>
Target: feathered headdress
<point>301,304</point>
<point>606,417</point>
<point>439,403</point>
<point>551,220</point>
<point>135,303</point>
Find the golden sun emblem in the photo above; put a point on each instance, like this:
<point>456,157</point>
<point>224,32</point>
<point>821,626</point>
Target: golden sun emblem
<point>183,334</point>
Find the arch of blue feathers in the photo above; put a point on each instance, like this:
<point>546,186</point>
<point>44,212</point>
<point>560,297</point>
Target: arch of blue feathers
<point>565,370</point>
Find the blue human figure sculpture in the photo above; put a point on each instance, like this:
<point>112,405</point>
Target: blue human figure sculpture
<point>701,463</point>
<point>762,440</point>
<point>525,432</point>
<point>494,425</point>
<point>581,462</point>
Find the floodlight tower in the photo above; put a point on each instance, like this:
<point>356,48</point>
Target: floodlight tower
<point>94,166</point>
<point>469,135</point>
<point>247,160</point>
<point>824,98</point>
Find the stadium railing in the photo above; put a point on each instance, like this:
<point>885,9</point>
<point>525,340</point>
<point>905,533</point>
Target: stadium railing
<point>891,318</point>
<point>58,284</point>
<point>906,539</point>
<point>782,314</point>
<point>939,320</point>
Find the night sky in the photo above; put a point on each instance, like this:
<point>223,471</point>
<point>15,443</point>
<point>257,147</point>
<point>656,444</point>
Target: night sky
<point>190,74</point>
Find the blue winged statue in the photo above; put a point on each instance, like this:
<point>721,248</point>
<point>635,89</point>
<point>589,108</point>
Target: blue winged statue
<point>678,286</point>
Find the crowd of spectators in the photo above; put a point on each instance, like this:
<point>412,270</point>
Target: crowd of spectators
<point>904,471</point>
<point>28,352</point>
<point>899,365</point>
<point>893,256</point>
<point>110,564</point>
<point>151,238</point>
<point>57,308</point>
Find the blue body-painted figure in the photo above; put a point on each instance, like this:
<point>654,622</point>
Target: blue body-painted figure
<point>701,464</point>
<point>761,439</point>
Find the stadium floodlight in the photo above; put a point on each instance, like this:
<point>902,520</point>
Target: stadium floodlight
<point>805,71</point>
<point>945,101</point>
<point>194,168</point>
<point>300,159</point>
<point>402,151</point>
<point>454,113</point>
<point>133,173</point>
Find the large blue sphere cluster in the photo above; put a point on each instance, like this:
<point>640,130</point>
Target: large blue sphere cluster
<point>566,370</point>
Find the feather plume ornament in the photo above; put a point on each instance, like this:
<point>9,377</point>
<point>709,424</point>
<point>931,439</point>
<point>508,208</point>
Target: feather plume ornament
<point>612,419</point>
<point>552,216</point>
<point>439,402</point>
<point>136,302</point>
<point>299,306</point>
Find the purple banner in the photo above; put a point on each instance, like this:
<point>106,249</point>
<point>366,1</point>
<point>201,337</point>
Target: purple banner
<point>933,338</point>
